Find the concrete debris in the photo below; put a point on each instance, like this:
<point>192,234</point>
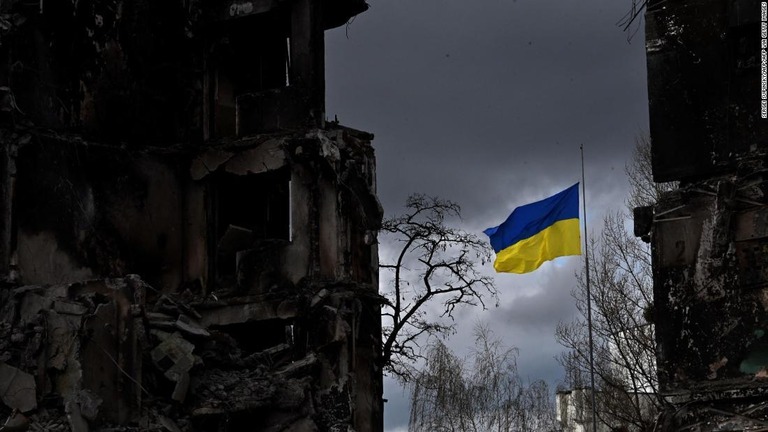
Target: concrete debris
<point>318,297</point>
<point>292,394</point>
<point>170,306</point>
<point>267,156</point>
<point>31,305</point>
<point>89,403</point>
<point>298,367</point>
<point>174,356</point>
<point>186,244</point>
<point>17,388</point>
<point>69,308</point>
<point>62,344</point>
<point>16,422</point>
<point>88,334</point>
<point>182,386</point>
<point>241,313</point>
<point>278,354</point>
<point>168,424</point>
<point>190,327</point>
<point>76,421</point>
<point>222,391</point>
<point>162,321</point>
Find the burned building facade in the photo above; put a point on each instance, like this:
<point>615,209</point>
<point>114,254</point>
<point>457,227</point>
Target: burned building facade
<point>186,243</point>
<point>709,237</point>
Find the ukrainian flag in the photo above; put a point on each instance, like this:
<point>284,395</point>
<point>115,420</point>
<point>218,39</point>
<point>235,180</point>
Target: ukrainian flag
<point>538,232</point>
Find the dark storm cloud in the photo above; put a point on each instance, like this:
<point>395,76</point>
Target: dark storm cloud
<point>537,309</point>
<point>485,103</point>
<point>454,93</point>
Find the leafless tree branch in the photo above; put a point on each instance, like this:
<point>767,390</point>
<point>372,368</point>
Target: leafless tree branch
<point>482,393</point>
<point>622,295</point>
<point>435,265</point>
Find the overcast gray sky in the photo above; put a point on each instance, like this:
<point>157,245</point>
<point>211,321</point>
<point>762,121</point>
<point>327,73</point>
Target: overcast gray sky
<point>485,103</point>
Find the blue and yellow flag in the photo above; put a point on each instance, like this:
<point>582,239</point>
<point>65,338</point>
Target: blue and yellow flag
<point>538,232</point>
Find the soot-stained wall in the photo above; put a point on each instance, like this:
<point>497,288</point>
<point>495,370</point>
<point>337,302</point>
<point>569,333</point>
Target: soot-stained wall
<point>709,237</point>
<point>186,243</point>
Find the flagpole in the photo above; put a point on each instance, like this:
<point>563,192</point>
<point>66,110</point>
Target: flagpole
<point>589,294</point>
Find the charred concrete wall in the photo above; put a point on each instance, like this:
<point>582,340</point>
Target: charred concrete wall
<point>710,296</point>
<point>703,86</point>
<point>709,237</point>
<point>186,244</point>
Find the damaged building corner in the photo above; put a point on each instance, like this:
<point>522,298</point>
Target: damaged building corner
<point>709,237</point>
<point>186,244</point>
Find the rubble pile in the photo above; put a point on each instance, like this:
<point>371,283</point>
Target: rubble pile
<point>96,355</point>
<point>184,142</point>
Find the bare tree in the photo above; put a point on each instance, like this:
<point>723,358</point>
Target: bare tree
<point>622,297</point>
<point>434,271</point>
<point>624,347</point>
<point>635,10</point>
<point>483,393</point>
<point>643,190</point>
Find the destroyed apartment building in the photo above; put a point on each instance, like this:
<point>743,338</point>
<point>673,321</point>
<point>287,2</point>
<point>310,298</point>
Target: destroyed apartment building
<point>186,244</point>
<point>709,236</point>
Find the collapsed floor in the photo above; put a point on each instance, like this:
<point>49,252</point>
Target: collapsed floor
<point>115,355</point>
<point>184,142</point>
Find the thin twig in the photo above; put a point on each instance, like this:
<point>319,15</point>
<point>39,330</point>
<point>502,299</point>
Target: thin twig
<point>121,369</point>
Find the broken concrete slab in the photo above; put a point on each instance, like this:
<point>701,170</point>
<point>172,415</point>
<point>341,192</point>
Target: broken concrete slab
<point>188,326</point>
<point>61,339</point>
<point>240,313</point>
<point>181,388</point>
<point>268,156</point>
<point>162,321</point>
<point>318,297</point>
<point>168,424</point>
<point>174,356</point>
<point>69,307</point>
<point>208,162</point>
<point>76,421</point>
<point>17,388</point>
<point>31,305</point>
<point>23,290</point>
<point>276,355</point>
<point>298,367</point>
<point>167,305</point>
<point>89,403</point>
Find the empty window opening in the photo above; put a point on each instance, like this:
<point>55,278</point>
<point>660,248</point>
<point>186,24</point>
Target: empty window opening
<point>247,210</point>
<point>250,59</point>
